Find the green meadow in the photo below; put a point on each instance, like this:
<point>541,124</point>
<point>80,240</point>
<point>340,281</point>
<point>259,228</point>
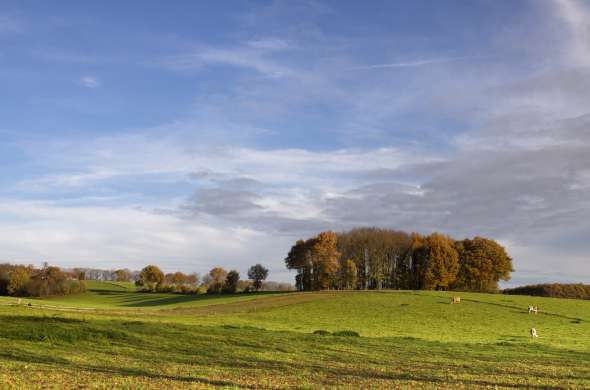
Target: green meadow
<point>114,337</point>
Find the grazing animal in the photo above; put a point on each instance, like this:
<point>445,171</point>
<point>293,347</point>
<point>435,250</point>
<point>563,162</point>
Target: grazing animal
<point>533,309</point>
<point>455,300</point>
<point>534,333</point>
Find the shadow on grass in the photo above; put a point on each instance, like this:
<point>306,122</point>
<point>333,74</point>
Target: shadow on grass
<point>149,299</point>
<point>522,310</point>
<point>28,357</point>
<point>62,330</point>
<point>517,309</point>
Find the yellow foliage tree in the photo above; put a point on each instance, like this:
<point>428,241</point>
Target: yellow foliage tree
<point>325,260</point>
<point>442,262</point>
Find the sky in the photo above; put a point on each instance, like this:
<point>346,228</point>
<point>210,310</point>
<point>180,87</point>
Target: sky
<point>193,134</point>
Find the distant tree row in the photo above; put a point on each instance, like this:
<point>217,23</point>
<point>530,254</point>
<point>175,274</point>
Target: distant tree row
<point>555,290</point>
<point>120,275</point>
<point>372,258</point>
<point>21,280</point>
<point>217,281</point>
<point>180,282</point>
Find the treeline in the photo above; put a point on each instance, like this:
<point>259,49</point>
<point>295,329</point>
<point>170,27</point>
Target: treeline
<point>176,282</point>
<point>26,280</point>
<point>217,281</point>
<point>105,275</point>
<point>555,290</point>
<point>20,280</point>
<point>372,258</point>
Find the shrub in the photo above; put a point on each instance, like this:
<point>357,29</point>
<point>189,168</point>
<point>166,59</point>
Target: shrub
<point>50,281</point>
<point>556,290</point>
<point>164,288</point>
<point>184,289</point>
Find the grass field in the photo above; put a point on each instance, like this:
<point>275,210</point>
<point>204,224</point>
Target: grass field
<point>114,337</point>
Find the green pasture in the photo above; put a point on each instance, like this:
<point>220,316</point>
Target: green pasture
<point>115,337</point>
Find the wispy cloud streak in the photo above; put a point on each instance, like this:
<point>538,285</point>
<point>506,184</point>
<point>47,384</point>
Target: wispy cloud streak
<point>417,63</point>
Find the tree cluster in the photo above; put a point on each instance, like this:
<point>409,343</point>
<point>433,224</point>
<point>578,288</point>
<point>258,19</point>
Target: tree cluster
<point>21,280</point>
<point>372,258</point>
<point>217,281</point>
<point>151,278</point>
<point>555,290</point>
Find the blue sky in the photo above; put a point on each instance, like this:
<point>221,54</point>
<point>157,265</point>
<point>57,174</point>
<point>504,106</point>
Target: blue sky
<point>193,134</point>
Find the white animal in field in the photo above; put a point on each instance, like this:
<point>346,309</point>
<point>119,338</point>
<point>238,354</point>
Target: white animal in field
<point>534,333</point>
<point>533,309</point>
<point>455,300</point>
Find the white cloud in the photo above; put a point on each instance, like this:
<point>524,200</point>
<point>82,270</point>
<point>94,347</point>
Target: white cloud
<point>89,81</point>
<point>577,21</point>
<point>518,195</point>
<point>269,44</point>
<point>113,237</point>
<point>254,55</point>
<point>102,159</point>
<point>510,158</point>
<point>415,63</point>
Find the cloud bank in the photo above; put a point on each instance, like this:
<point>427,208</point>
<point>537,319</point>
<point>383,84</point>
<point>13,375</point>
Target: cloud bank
<point>490,139</point>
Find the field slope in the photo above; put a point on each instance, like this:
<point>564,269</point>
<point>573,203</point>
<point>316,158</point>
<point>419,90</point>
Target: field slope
<point>115,337</point>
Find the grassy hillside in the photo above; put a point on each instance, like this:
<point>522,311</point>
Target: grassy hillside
<point>123,295</point>
<point>408,339</point>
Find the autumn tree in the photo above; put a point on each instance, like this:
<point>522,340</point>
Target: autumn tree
<point>176,278</point>
<point>484,263</point>
<point>122,275</point>
<point>150,277</point>
<point>299,258</point>
<point>231,282</point>
<point>192,279</point>
<point>47,281</point>
<point>257,273</point>
<point>348,275</point>
<point>325,260</point>
<point>51,280</point>
<point>441,262</point>
<point>19,279</point>
<point>80,274</point>
<point>414,263</point>
<point>378,255</point>
<point>385,258</point>
<point>217,277</point>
